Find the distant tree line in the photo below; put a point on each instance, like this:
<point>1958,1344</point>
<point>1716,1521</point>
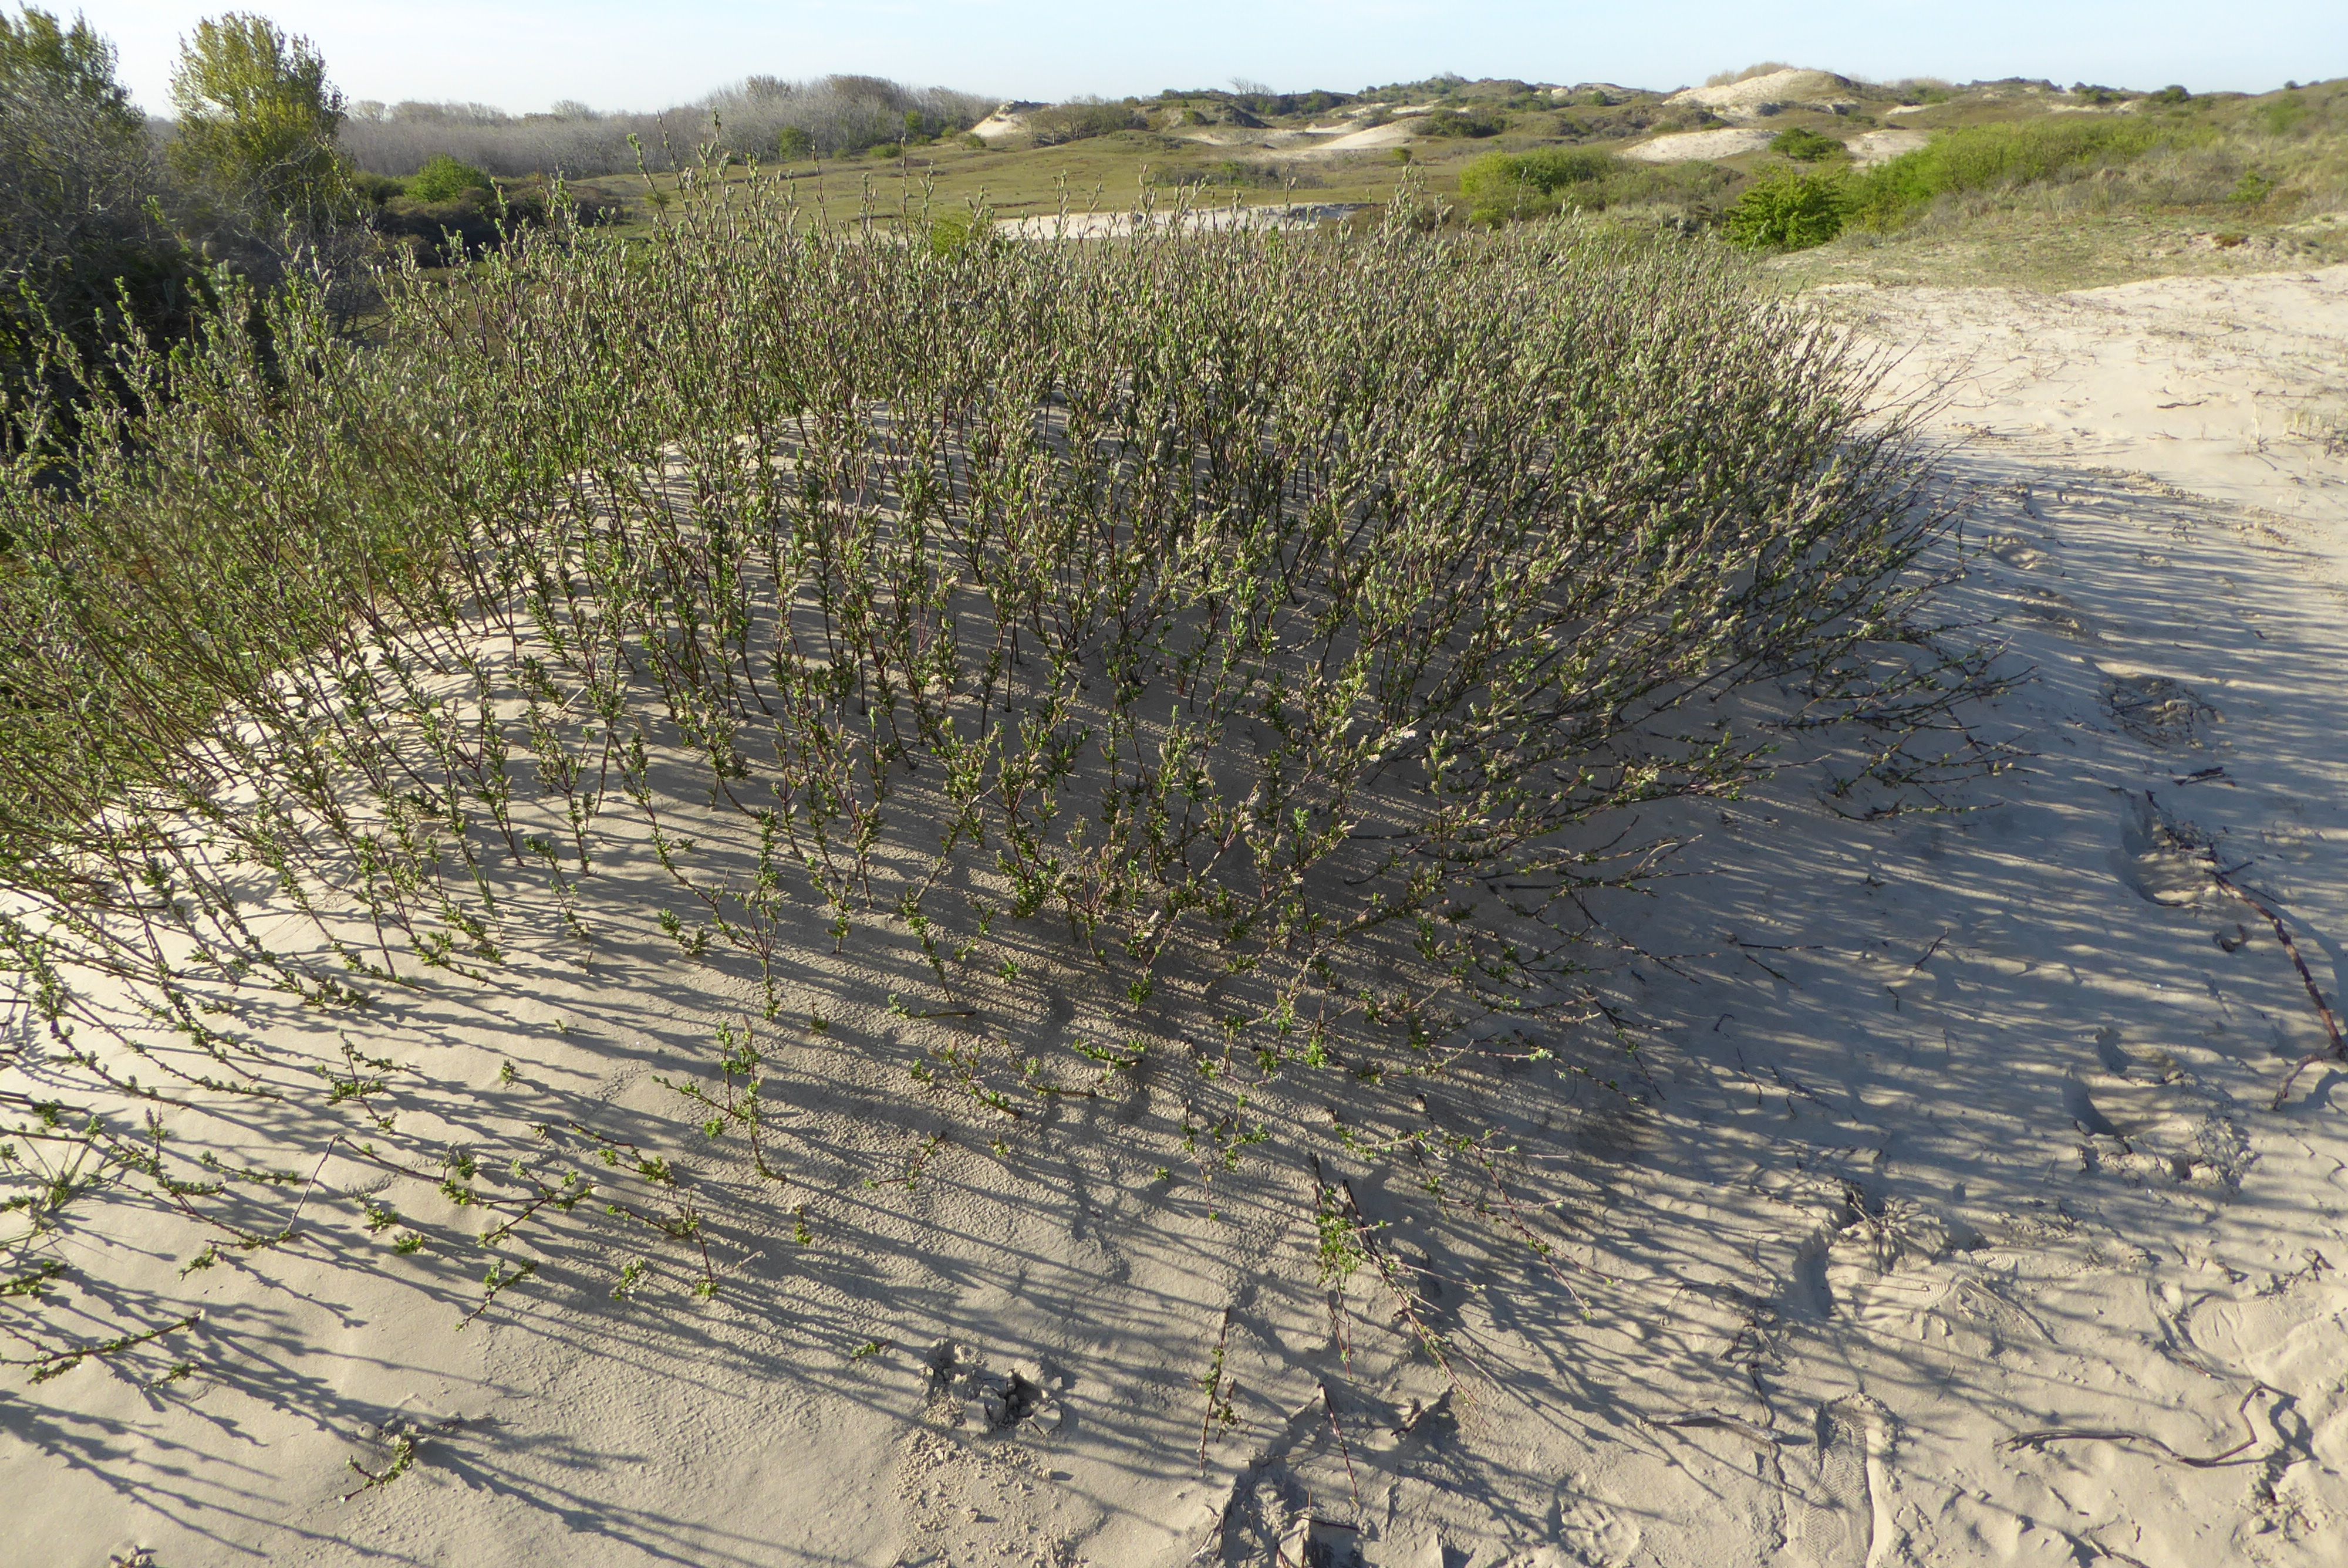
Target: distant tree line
<point>764,116</point>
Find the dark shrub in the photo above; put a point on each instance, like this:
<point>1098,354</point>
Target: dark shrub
<point>1079,120</point>
<point>1803,145</point>
<point>85,241</point>
<point>1473,122</point>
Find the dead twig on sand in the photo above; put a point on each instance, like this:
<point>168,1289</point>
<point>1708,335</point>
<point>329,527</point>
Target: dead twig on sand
<point>2338,1050</point>
<point>1760,1436</point>
<point>1345,1451</point>
<point>2039,1439</point>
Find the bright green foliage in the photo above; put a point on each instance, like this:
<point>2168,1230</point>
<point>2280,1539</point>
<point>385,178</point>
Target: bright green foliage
<point>1502,186</point>
<point>1789,212</point>
<point>794,145</point>
<point>443,177</point>
<point>2252,188</point>
<point>958,230</point>
<point>1997,157</point>
<point>1803,145</point>
<point>257,120</point>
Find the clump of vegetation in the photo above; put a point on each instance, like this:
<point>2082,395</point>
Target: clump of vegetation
<point>1803,145</point>
<point>89,247</point>
<point>1080,119</point>
<point>1505,187</point>
<point>443,178</point>
<point>1998,157</point>
<point>762,118</point>
<point>1475,121</point>
<point>1789,212</point>
<point>1267,647</point>
<point>256,123</point>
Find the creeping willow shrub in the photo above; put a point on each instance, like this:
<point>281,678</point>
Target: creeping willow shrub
<point>1265,640</point>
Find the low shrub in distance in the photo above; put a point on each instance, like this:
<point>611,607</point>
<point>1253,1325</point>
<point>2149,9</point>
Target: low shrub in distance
<point>1803,145</point>
<point>1080,119</point>
<point>1469,122</point>
<point>1503,187</point>
<point>442,178</point>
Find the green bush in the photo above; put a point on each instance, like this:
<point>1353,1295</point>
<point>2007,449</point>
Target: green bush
<point>1789,212</point>
<point>793,144</point>
<point>442,178</point>
<point>2283,114</point>
<point>257,122</point>
<point>1471,122</point>
<point>952,232</point>
<point>1997,157</point>
<point>1501,185</point>
<point>1803,145</point>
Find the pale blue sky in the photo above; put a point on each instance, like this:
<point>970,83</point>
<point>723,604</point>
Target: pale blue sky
<point>523,55</point>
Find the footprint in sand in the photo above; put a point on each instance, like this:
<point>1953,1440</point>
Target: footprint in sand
<point>1592,1534</point>
<point>1838,1510</point>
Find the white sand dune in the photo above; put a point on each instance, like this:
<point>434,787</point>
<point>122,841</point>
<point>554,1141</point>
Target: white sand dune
<point>1941,1217</point>
<point>1772,90</point>
<point>1394,133</point>
<point>1008,121</point>
<point>1691,146</point>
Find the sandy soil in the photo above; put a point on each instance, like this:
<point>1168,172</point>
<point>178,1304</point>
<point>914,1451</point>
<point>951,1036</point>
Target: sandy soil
<point>1007,122</point>
<point>1394,133</point>
<point>1882,146</point>
<point>1944,1215</point>
<point>1688,145</point>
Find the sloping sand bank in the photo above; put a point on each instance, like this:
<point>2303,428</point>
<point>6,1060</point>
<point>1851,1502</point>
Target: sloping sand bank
<point>1944,1214</point>
<point>1689,146</point>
